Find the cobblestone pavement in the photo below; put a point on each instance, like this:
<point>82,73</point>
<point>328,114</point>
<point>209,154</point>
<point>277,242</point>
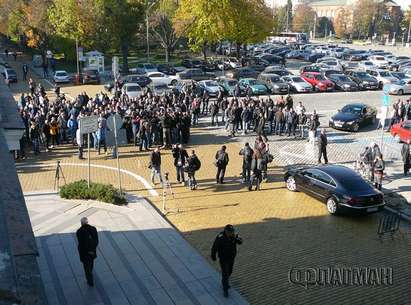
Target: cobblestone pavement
<point>281,230</point>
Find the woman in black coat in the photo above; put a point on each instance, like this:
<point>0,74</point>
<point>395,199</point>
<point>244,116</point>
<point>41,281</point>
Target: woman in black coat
<point>405,153</point>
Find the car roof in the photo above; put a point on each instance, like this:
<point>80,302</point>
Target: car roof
<point>338,172</point>
<point>131,84</point>
<point>61,71</point>
<point>356,105</point>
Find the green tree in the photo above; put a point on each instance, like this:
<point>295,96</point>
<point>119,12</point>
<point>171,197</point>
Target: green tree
<point>289,15</point>
<point>279,19</point>
<point>303,20</point>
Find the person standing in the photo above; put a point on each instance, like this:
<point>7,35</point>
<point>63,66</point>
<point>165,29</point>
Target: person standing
<point>155,165</point>
<point>405,153</point>
<point>180,156</point>
<point>221,162</point>
<point>314,124</point>
<point>379,167</point>
<point>193,165</point>
<point>87,238</point>
<point>25,69</point>
<point>322,146</point>
<point>79,140</point>
<point>256,166</point>
<point>247,154</point>
<point>225,246</point>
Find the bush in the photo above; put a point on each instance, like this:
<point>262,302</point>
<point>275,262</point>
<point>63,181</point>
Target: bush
<point>97,191</point>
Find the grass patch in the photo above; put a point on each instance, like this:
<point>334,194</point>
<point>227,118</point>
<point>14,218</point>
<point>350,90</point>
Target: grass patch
<point>97,191</point>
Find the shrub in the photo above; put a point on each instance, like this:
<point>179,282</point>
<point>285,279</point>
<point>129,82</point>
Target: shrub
<point>97,191</point>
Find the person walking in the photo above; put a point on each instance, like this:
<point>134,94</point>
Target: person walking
<point>193,165</point>
<point>87,238</point>
<point>25,69</point>
<point>225,246</point>
<point>405,153</point>
<point>155,165</point>
<point>221,162</point>
<point>379,167</point>
<point>322,146</point>
<point>256,166</point>
<point>312,129</point>
<point>247,153</point>
<point>180,156</point>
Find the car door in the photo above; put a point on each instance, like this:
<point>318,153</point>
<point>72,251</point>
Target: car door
<point>407,87</point>
<point>322,185</point>
<point>405,132</point>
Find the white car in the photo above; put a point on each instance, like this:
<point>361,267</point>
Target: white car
<point>233,62</point>
<point>331,65</point>
<point>400,88</point>
<point>366,65</point>
<point>61,76</point>
<point>379,61</point>
<point>147,67</point>
<point>383,77</point>
<point>132,90</point>
<point>297,84</point>
<point>161,78</point>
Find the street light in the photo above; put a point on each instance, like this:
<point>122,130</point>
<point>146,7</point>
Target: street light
<point>148,42</point>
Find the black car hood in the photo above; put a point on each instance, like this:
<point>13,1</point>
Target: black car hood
<point>368,79</point>
<point>345,116</point>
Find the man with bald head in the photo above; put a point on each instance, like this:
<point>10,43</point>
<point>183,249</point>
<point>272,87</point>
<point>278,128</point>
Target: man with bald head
<point>87,247</point>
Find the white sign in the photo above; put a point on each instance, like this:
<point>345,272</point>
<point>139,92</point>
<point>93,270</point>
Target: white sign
<point>110,122</point>
<point>88,124</point>
<point>383,115</point>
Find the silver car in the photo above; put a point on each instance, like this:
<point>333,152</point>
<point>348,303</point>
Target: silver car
<point>297,84</point>
<point>400,88</point>
<point>132,90</point>
<point>383,77</point>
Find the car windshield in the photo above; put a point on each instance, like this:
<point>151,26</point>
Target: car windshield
<point>133,88</point>
<point>274,79</point>
<point>61,73</point>
<point>400,75</point>
<point>352,109</point>
<point>211,84</point>
<point>385,74</point>
<point>361,74</point>
<point>319,77</point>
<point>341,78</point>
<point>368,63</point>
<point>253,82</point>
<point>231,83</point>
<point>149,66</point>
<point>298,80</point>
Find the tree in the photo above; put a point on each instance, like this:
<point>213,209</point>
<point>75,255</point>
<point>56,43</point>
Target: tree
<point>406,22</point>
<point>324,26</point>
<point>280,19</point>
<point>343,23</point>
<point>303,20</point>
<point>289,15</point>
<point>371,18</point>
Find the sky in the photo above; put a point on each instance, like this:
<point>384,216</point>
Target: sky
<point>404,3</point>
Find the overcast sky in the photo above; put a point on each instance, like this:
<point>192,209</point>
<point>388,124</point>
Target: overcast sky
<point>403,3</point>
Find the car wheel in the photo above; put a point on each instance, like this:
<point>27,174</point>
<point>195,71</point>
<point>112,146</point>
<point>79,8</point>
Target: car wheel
<point>173,82</point>
<point>291,185</point>
<point>356,127</point>
<point>397,138</point>
<point>332,206</point>
<point>400,92</point>
<point>380,85</point>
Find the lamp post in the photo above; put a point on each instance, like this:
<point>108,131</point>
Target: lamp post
<point>147,27</point>
<point>409,32</point>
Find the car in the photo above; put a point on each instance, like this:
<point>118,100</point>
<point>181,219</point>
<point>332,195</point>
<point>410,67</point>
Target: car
<point>141,80</point>
<point>160,89</point>
<point>233,62</point>
<point>161,78</point>
<point>88,76</point>
<point>166,69</point>
<point>133,90</point>
<point>343,82</point>
<point>271,59</point>
<point>383,77</point>
<point>192,63</point>
<point>10,75</point>
<point>400,88</point>
<point>401,131</point>
<point>401,75</point>
<point>294,54</point>
<point>310,68</point>
<point>349,65</point>
<point>366,65</point>
<point>297,84</point>
<point>244,72</point>
<point>279,70</point>
<point>318,81</point>
<point>355,55</point>
<point>181,84</point>
<point>353,116</point>
<point>363,80</point>
<point>211,86</point>
<point>194,74</point>
<point>61,76</point>
<point>257,86</point>
<point>339,187</point>
<point>229,84</point>
<point>274,83</point>
<point>330,64</point>
<point>147,67</point>
<point>379,61</point>
<point>312,57</point>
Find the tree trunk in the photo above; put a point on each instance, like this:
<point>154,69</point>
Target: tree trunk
<point>205,51</point>
<point>124,54</point>
<point>167,49</point>
<point>238,45</point>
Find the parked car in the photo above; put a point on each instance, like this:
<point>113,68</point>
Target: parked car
<point>330,64</point>
<point>353,116</point>
<point>364,80</point>
<point>297,84</point>
<point>211,86</point>
<point>192,63</point>
<point>141,80</point>
<point>379,61</point>
<point>401,131</point>
<point>10,75</point>
<point>366,65</point>
<point>133,90</point>
<point>310,68</point>
<point>229,85</point>
<point>233,62</point>
<point>147,67</point>
<point>343,82</point>
<point>257,87</point>
<point>166,69</point>
<point>61,76</point>
<point>161,78</point>
<point>401,75</point>
<point>383,77</point>
<point>400,88</point>
<point>195,74</point>
<point>88,76</point>
<point>277,70</point>
<point>339,187</point>
<point>271,59</point>
<point>274,83</point>
<point>244,72</point>
<point>318,81</point>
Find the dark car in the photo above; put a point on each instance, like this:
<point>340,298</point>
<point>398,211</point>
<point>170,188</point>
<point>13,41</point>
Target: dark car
<point>274,83</point>
<point>353,116</point>
<point>355,55</point>
<point>88,76</point>
<point>166,69</point>
<point>244,72</point>
<point>310,68</point>
<point>195,74</point>
<point>192,63</point>
<point>10,75</point>
<point>141,80</point>
<point>229,84</point>
<point>363,80</point>
<point>312,57</point>
<point>339,187</point>
<point>295,54</point>
<point>277,70</point>
<point>343,82</point>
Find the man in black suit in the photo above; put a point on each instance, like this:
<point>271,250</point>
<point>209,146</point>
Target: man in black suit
<point>87,247</point>
<point>322,147</point>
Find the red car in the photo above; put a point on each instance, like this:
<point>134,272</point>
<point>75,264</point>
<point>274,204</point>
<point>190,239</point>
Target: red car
<point>401,131</point>
<point>318,81</point>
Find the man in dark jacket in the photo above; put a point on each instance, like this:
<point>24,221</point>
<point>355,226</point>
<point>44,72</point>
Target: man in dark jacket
<point>322,146</point>
<point>180,156</point>
<point>87,238</point>
<point>405,153</point>
<point>247,154</point>
<point>225,245</point>
<point>221,162</point>
<point>193,165</point>
<point>155,165</point>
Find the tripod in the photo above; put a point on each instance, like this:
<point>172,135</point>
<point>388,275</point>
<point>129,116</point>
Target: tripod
<point>167,190</point>
<point>59,171</point>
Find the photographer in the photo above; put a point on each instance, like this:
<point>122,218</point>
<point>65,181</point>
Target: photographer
<point>180,156</point>
<point>193,165</point>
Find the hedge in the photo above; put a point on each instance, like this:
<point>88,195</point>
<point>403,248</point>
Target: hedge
<point>97,191</point>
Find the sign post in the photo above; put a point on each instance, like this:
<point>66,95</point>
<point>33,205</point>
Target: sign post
<point>87,125</point>
<point>386,101</point>
<point>114,123</point>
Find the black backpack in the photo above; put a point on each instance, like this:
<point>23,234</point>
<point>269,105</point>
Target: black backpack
<point>197,164</point>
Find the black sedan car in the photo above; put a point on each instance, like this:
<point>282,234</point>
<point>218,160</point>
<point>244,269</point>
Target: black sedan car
<point>363,80</point>
<point>339,187</point>
<point>343,82</point>
<point>353,116</point>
